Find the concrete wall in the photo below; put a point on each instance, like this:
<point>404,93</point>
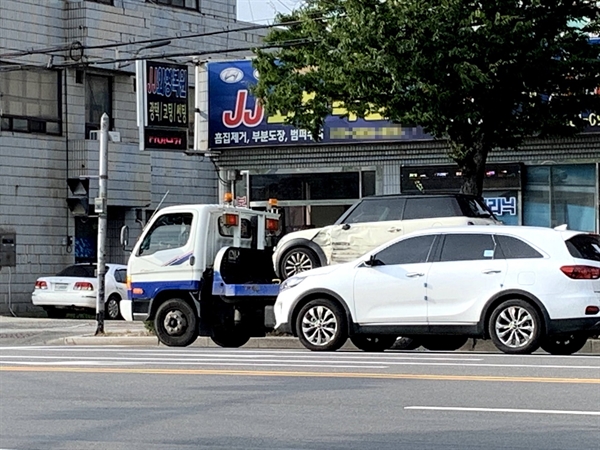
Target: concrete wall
<point>34,167</point>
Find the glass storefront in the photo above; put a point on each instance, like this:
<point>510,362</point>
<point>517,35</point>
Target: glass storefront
<point>561,194</point>
<point>312,199</point>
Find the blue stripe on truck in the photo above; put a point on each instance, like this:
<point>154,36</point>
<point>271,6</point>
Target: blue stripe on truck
<point>152,288</point>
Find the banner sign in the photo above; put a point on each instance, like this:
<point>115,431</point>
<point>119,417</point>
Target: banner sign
<point>236,119</point>
<point>162,105</point>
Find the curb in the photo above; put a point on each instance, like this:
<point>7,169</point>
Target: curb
<point>284,342</point>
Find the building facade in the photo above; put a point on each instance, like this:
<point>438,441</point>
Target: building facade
<point>63,63</point>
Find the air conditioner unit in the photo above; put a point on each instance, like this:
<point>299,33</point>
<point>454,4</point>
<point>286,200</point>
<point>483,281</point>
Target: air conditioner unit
<point>114,136</point>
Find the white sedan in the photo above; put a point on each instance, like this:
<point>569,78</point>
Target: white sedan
<point>75,289</point>
<point>521,287</point>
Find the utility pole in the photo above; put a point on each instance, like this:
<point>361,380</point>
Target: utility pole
<point>100,208</point>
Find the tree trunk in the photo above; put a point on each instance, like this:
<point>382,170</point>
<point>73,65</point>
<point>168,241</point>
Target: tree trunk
<point>473,170</point>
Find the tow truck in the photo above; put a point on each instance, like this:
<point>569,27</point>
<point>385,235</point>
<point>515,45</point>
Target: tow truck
<point>205,270</point>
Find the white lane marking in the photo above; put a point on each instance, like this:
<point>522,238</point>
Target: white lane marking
<point>358,363</point>
<point>504,410</point>
<point>191,363</point>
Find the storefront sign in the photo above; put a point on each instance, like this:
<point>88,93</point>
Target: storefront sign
<point>236,119</point>
<point>162,105</point>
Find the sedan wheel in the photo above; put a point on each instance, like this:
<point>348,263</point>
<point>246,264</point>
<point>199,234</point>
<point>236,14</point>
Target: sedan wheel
<point>515,327</point>
<point>321,325</point>
<point>564,345</point>
<point>112,307</point>
<point>296,261</point>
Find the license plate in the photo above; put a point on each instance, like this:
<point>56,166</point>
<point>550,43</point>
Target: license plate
<point>60,287</point>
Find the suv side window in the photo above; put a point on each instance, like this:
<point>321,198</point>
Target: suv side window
<point>376,210</point>
<point>468,247</point>
<point>430,208</point>
<point>514,248</point>
<point>409,251</point>
<point>169,231</point>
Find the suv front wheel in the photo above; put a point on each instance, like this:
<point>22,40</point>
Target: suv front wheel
<point>297,260</point>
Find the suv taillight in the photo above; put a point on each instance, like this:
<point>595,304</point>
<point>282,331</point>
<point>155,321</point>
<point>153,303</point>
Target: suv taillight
<point>581,272</point>
<point>41,285</point>
<point>83,286</point>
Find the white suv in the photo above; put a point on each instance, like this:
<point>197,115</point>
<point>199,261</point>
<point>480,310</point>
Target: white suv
<point>373,221</point>
<point>523,287</point>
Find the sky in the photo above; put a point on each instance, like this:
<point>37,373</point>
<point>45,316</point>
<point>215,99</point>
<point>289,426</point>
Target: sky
<point>263,11</point>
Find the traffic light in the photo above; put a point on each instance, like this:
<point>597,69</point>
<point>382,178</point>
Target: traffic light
<point>78,199</point>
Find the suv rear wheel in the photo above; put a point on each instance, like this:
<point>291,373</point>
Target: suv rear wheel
<point>515,327</point>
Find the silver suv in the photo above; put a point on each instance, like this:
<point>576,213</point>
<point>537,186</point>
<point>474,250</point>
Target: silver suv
<point>373,221</point>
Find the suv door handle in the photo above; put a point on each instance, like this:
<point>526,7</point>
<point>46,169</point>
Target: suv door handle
<point>394,229</point>
<point>414,274</point>
<point>490,271</point>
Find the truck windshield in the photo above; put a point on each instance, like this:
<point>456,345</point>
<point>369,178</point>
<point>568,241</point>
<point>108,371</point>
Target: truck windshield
<point>168,232</point>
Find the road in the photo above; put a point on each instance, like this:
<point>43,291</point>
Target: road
<point>211,398</point>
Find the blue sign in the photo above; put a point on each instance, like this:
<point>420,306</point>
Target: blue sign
<point>236,119</point>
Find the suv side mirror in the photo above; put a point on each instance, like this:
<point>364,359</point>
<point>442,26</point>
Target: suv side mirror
<point>373,261</point>
<point>345,227</point>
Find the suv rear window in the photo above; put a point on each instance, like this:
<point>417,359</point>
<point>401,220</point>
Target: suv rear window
<point>585,246</point>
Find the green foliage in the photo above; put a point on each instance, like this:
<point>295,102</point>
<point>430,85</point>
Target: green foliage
<point>149,326</point>
<point>480,74</point>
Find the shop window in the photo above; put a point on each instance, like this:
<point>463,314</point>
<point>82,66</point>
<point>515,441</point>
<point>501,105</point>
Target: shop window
<point>30,101</point>
<point>561,194</point>
<point>98,100</point>
<point>105,2</point>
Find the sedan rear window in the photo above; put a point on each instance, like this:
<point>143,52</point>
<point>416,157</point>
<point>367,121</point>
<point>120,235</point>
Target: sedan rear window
<point>585,246</point>
<point>78,271</point>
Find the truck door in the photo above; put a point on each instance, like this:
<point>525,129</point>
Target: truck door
<point>164,257</point>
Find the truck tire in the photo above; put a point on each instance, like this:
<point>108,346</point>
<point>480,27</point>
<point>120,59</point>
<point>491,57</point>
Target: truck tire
<point>176,324</point>
<point>230,337</point>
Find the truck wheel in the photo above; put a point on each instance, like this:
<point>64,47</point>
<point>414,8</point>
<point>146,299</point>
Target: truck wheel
<point>373,343</point>
<point>564,345</point>
<point>515,327</point>
<point>297,260</point>
<point>230,337</point>
<point>321,325</point>
<point>176,324</point>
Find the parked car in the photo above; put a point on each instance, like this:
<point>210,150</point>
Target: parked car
<point>521,287</point>
<point>75,289</point>
<point>373,221</point>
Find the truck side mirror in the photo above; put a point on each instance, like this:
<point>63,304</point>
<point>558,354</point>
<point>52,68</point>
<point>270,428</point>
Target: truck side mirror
<point>124,238</point>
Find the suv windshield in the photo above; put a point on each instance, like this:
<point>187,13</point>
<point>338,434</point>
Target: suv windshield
<point>585,246</point>
<point>475,207</point>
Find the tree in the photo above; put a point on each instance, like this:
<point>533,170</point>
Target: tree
<point>481,74</point>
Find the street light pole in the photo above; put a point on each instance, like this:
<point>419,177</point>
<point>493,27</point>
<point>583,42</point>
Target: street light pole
<point>100,205</point>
